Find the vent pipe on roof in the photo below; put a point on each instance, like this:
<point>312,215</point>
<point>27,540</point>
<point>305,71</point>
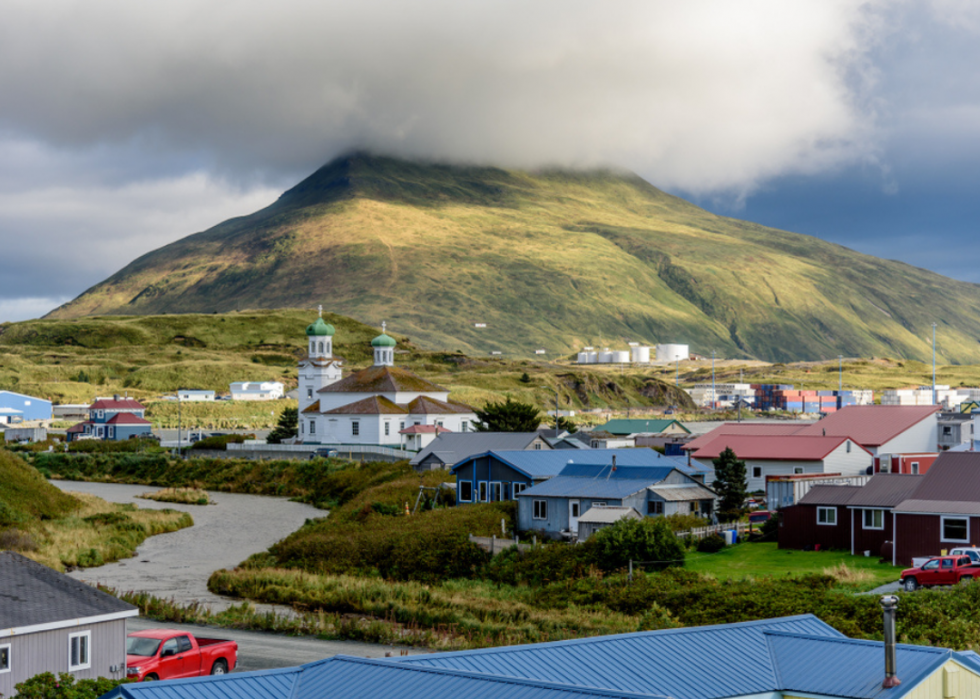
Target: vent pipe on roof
<point>888,605</point>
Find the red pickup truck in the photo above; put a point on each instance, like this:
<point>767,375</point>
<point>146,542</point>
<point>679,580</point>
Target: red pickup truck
<point>943,570</point>
<point>165,654</point>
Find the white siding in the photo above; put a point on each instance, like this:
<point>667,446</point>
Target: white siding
<point>921,437</point>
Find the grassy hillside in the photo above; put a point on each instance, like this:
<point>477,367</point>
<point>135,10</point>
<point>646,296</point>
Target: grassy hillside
<point>147,356</point>
<point>553,259</point>
<point>25,497</point>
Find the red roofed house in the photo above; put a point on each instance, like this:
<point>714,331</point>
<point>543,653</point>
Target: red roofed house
<point>113,419</point>
<point>786,454</point>
<point>372,406</point>
<point>883,429</point>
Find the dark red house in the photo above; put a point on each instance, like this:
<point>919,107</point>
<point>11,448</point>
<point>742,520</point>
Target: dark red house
<point>852,518</point>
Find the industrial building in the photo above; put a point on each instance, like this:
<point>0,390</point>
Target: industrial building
<point>636,354</point>
<point>17,407</point>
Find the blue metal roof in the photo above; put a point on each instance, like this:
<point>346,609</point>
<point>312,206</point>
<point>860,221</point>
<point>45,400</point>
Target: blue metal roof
<point>568,487</point>
<point>549,462</point>
<point>692,663</point>
<point>261,684</point>
<point>803,663</point>
<point>654,474</point>
<point>343,676</point>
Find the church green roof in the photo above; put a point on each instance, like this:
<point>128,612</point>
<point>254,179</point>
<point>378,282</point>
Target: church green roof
<point>319,328</point>
<point>383,340</point>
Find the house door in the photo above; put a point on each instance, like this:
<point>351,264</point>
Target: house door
<point>573,514</point>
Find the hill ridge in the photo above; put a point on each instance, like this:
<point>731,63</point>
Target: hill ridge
<point>551,259</point>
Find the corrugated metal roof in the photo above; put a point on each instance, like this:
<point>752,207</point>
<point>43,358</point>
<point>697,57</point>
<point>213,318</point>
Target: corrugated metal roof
<point>383,379</point>
<point>941,507</point>
<point>886,490</point>
<point>547,463</point>
<point>571,487</point>
<point>845,667</point>
<point>373,405</point>
<point>453,448</point>
<point>635,425</point>
<point>706,662</point>
<point>261,684</point>
<point>608,515</point>
<point>121,404</point>
<point>952,476</point>
<point>871,425</point>
<point>683,494</point>
<point>343,676</point>
<point>791,447</point>
<point>745,429</point>
<point>654,473</point>
<point>829,495</point>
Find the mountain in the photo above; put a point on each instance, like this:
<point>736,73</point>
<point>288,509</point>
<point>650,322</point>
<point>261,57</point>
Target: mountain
<point>552,259</point>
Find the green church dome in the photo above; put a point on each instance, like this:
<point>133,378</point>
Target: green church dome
<point>383,340</point>
<point>319,328</point>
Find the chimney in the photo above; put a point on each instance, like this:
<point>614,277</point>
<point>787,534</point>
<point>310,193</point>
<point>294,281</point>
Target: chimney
<point>888,604</point>
<point>614,462</point>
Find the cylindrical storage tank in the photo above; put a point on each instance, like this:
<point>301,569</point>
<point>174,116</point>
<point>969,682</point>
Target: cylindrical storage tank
<point>672,353</point>
<point>583,357</point>
<point>641,355</point>
<point>621,357</point>
<point>605,357</point>
<point>593,357</point>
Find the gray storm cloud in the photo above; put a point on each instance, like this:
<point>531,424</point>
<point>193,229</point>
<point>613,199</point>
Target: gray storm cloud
<point>702,95</point>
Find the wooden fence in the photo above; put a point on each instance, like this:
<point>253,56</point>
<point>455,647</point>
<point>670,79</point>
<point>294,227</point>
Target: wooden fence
<point>699,533</point>
<point>497,545</point>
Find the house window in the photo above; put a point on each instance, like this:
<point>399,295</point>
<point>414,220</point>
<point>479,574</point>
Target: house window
<point>108,432</point>
<point>387,429</point>
<point>915,467</point>
<point>464,426</point>
<point>947,430</point>
<point>302,427</point>
<point>355,428</point>
<point>757,471</point>
<point>797,470</point>
<point>540,509</point>
<point>519,488</point>
<point>598,504</point>
<point>312,427</point>
<point>496,492</point>
<point>537,445</point>
<point>439,423</point>
<point>956,529</point>
<point>574,509</point>
<point>401,425</point>
<point>309,393</point>
<point>5,658</point>
<point>484,491</point>
<point>874,519</point>
<point>78,651</point>
<point>466,491</point>
<point>848,448</point>
<point>828,516</point>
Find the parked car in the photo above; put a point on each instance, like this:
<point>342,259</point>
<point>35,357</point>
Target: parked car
<point>324,453</point>
<point>973,553</point>
<point>943,570</point>
<point>165,654</point>
<point>759,517</point>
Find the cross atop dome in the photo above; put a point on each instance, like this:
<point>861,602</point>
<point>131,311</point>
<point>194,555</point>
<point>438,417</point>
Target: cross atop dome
<point>384,348</point>
<point>320,310</point>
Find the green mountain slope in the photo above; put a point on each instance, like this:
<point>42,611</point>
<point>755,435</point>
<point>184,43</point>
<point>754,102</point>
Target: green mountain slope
<point>554,259</point>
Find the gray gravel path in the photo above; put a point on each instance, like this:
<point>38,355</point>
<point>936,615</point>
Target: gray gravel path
<point>178,565</point>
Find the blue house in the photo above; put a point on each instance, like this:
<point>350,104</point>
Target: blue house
<point>554,506</point>
<point>494,476</point>
<point>114,419</point>
<point>17,405</point>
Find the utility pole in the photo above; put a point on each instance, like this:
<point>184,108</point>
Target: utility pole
<point>179,440</point>
<point>714,395</point>
<point>840,374</point>
<point>677,376</point>
<point>933,363</point>
<point>556,409</point>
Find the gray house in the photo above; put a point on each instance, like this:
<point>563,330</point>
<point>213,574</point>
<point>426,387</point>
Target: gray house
<point>596,518</point>
<point>451,448</point>
<point>52,623</point>
<point>554,507</point>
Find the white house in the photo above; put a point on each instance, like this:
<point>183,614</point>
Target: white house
<point>257,390</point>
<point>883,429</point>
<point>372,406</point>
<point>786,455</point>
<point>195,395</point>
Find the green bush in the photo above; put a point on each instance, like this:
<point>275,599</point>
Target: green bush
<point>540,565</point>
<point>648,539</point>
<point>712,543</point>
<point>64,686</point>
<point>221,441</point>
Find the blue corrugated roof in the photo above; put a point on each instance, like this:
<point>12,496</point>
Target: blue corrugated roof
<point>654,474</point>
<point>567,487</point>
<point>344,676</point>
<point>802,663</point>
<point>547,463</point>
<point>706,662</point>
<point>260,684</point>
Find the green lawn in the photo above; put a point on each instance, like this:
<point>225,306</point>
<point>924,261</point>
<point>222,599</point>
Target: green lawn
<point>757,560</point>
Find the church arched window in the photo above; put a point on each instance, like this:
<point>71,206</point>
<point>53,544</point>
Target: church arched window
<point>321,348</point>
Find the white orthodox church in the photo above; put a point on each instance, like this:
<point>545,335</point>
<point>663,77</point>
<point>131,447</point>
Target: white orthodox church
<point>381,405</point>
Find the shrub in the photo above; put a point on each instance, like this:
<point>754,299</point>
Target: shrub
<point>713,543</point>
<point>16,540</point>
<point>221,441</point>
<point>649,539</point>
<point>539,565</point>
<point>64,686</point>
<point>685,522</point>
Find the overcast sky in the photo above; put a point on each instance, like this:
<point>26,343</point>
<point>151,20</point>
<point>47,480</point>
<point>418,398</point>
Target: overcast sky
<point>127,125</point>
